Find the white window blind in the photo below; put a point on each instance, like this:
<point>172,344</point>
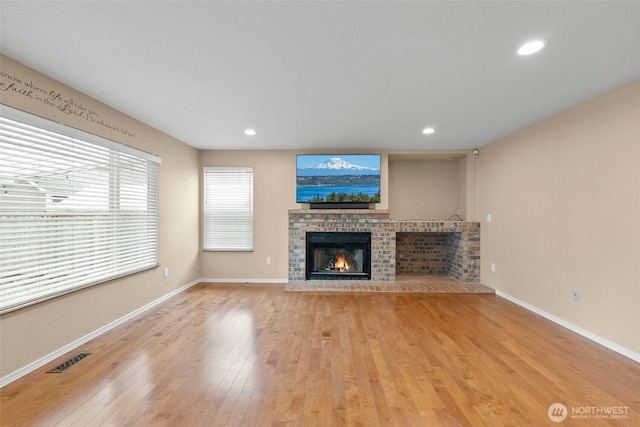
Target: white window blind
<point>75,209</point>
<point>228,209</point>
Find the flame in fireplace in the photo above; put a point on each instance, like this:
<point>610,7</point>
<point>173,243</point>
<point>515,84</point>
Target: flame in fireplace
<point>341,264</point>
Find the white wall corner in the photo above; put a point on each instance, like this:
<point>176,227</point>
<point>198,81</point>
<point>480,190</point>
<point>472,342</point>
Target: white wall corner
<point>578,330</point>
<point>80,341</point>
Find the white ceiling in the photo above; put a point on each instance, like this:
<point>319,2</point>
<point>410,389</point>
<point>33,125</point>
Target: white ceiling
<point>314,75</point>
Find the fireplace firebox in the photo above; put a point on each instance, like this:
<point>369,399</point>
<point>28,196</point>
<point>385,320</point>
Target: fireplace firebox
<point>338,256</point>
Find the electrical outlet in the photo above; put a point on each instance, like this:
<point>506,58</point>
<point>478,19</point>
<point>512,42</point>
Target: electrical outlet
<point>575,294</point>
<point>489,219</point>
<point>165,272</point>
<point>493,267</point>
<point>268,260</point>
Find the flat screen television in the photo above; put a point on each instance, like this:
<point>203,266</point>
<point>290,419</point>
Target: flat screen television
<point>339,178</point>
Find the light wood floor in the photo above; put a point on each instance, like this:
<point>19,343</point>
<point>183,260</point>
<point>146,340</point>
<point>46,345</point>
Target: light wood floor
<point>256,355</point>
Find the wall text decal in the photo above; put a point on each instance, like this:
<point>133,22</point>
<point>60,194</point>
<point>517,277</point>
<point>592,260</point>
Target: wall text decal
<point>55,99</point>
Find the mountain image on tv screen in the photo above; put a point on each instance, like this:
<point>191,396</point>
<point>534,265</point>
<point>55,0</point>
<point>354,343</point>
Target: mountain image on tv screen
<point>344,178</point>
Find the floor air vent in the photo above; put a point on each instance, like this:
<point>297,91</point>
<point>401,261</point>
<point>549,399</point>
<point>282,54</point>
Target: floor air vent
<point>69,363</point>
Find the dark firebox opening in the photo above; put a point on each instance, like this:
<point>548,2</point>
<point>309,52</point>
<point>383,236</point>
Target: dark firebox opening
<point>338,256</point>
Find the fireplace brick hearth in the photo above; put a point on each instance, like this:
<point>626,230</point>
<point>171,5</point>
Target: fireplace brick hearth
<point>462,242</point>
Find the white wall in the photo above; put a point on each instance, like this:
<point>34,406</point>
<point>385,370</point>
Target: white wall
<point>564,196</point>
<point>32,333</point>
<point>423,189</point>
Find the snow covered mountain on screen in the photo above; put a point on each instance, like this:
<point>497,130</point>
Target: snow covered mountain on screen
<point>336,163</point>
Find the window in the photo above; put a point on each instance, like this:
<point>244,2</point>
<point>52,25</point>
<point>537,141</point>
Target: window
<point>75,209</point>
<point>228,209</point>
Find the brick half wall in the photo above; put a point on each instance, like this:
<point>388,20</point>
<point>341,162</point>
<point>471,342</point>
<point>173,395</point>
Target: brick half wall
<point>391,252</point>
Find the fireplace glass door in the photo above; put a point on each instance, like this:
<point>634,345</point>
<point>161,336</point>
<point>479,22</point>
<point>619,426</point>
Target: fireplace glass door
<point>338,256</point>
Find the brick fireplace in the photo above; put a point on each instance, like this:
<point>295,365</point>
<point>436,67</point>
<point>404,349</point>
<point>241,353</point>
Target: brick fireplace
<point>448,248</point>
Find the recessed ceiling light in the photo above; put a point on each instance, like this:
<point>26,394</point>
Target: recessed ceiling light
<point>531,47</point>
<point>250,132</point>
<point>428,131</point>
